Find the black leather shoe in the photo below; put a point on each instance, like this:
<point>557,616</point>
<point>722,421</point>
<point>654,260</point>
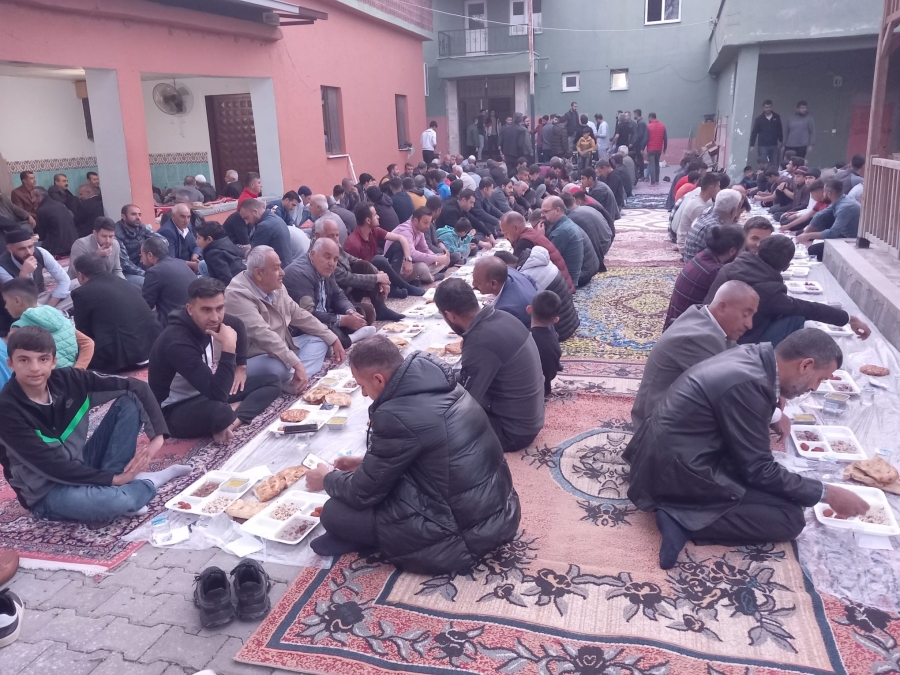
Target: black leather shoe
<point>251,586</point>
<point>212,595</point>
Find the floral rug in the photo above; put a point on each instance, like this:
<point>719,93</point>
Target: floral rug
<point>579,589</point>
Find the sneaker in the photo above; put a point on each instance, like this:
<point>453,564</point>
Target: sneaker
<point>251,586</point>
<point>212,595</point>
<point>11,612</point>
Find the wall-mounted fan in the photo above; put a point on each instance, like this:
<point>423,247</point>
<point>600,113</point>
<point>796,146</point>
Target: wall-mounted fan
<point>173,99</point>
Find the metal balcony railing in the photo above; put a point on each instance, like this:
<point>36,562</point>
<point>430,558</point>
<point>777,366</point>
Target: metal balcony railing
<point>482,41</point>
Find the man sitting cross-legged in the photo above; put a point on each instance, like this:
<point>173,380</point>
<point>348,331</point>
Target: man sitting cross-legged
<point>500,364</point>
<point>703,460</point>
<point>196,401</point>
<point>433,493</point>
<point>55,470</point>
<point>283,338</point>
<point>310,283</point>
<point>512,290</point>
<point>697,334</point>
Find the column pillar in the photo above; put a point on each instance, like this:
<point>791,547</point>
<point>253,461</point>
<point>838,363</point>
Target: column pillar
<point>745,75</point>
<point>120,139</point>
<point>268,147</point>
<point>450,95</point>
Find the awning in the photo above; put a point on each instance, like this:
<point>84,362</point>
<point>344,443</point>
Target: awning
<point>270,12</point>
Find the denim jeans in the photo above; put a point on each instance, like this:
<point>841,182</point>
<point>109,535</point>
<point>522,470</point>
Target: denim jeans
<point>110,448</point>
<point>135,279</point>
<point>653,156</point>
<point>310,349</point>
<point>781,327</point>
<point>768,153</point>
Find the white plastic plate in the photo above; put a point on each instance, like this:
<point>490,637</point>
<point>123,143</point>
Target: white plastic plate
<point>840,386</point>
<point>875,497</point>
<point>826,435</point>
<point>264,526</point>
<point>836,331</point>
<point>200,503</point>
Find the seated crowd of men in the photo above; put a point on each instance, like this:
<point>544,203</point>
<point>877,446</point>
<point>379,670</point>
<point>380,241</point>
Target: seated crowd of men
<point>229,316</point>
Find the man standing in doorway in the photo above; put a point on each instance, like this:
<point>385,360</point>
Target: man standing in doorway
<point>657,144</point>
<point>800,131</point>
<point>767,134</point>
<point>429,142</point>
<point>638,143</point>
<point>573,124</point>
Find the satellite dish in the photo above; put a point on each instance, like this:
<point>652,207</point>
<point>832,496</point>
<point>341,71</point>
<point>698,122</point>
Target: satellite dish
<point>173,99</point>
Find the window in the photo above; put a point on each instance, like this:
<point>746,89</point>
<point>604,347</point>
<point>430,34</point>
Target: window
<point>618,80</point>
<point>402,128</point>
<point>662,11</point>
<point>331,115</point>
<point>571,82</point>
<point>518,17</point>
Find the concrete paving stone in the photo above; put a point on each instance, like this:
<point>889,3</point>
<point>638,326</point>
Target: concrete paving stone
<point>19,654</point>
<point>184,649</point>
<point>175,580</point>
<point>131,576</point>
<point>42,574</point>
<point>283,573</point>
<point>277,591</point>
<point>176,670</point>
<point>134,606</point>
<point>72,629</point>
<point>224,664</point>
<point>34,591</point>
<point>222,560</point>
<point>185,558</point>
<point>82,596</point>
<point>58,660</point>
<point>176,611</point>
<point>145,555</point>
<point>236,629</point>
<point>66,574</point>
<point>131,641</point>
<point>33,621</point>
<point>116,665</point>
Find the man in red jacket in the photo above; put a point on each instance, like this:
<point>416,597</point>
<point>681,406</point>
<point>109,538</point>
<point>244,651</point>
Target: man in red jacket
<point>657,144</point>
<point>252,188</point>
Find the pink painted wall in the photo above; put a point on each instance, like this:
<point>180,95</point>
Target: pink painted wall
<point>350,50</point>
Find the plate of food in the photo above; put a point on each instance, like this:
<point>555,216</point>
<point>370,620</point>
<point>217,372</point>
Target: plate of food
<point>289,519</point>
<point>423,311</point>
<point>300,415</point>
<point>879,520</point>
<point>840,382</point>
<point>347,386</point>
<point>838,444</point>
<point>798,272</point>
<point>797,286</point>
<point>835,331</point>
<point>211,494</point>
<point>402,343</point>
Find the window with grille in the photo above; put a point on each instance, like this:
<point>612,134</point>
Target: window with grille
<point>618,80</point>
<point>331,116</point>
<point>662,11</point>
<point>402,122</point>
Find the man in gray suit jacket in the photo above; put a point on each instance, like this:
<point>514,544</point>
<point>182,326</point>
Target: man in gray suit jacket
<point>698,334</point>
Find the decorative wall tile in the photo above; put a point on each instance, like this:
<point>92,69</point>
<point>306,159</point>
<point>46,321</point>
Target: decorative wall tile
<point>58,164</point>
<point>178,158</point>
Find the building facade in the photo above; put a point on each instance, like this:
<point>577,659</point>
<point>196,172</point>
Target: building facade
<point>261,85</point>
<point>703,66</point>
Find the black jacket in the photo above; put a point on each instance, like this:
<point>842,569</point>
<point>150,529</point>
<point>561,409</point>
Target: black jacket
<point>86,213</point>
<point>627,179</point>
<point>434,473</point>
<point>180,349</point>
<point>573,121</point>
<point>223,259</point>
<point>55,225</point>
<point>112,312</point>
<point>559,141</point>
<point>708,442</point>
<point>64,197</point>
<point>208,192</point>
<point>301,281</point>
<point>639,140</point>
<point>512,142</point>
<point>403,206</point>
<point>451,213</point>
<point>590,263</point>
<point>232,190</point>
<point>273,231</point>
<point>774,300</point>
<point>165,287</point>
<point>237,230</point>
<point>767,132</point>
<point>479,211</point>
<point>595,225</point>
<point>384,207</point>
<point>569,321</point>
<point>614,183</point>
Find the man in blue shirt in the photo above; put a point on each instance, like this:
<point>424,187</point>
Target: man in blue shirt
<point>284,209</point>
<point>512,290</point>
<point>838,221</point>
<point>564,234</point>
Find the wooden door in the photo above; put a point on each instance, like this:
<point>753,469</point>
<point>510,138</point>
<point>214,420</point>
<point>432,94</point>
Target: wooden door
<point>476,28</point>
<point>858,137</point>
<point>232,135</point>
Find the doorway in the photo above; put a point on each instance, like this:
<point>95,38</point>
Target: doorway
<point>858,138</point>
<point>476,28</point>
<point>232,135</point>
<point>495,94</point>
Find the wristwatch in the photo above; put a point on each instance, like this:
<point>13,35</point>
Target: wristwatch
<point>408,258</point>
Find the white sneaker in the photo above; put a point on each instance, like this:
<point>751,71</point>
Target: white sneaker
<point>362,334</point>
<point>11,612</point>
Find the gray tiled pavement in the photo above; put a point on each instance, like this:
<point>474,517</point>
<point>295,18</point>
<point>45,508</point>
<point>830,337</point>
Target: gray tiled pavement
<point>140,620</point>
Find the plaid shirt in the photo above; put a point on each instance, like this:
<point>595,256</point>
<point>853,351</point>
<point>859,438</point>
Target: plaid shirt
<point>696,238</point>
<point>692,284</point>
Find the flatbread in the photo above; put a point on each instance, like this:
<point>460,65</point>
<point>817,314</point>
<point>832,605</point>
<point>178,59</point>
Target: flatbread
<point>396,327</point>
<point>454,347</point>
<point>340,400</point>
<point>292,474</point>
<point>244,509</point>
<point>270,488</point>
<point>399,341</point>
<point>294,416</point>
<point>874,371</point>
<point>317,394</point>
<point>437,351</point>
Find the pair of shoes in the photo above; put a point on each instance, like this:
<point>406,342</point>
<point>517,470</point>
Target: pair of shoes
<point>12,609</point>
<point>212,594</point>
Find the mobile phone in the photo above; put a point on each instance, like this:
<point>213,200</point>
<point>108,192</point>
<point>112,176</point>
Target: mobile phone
<point>299,428</point>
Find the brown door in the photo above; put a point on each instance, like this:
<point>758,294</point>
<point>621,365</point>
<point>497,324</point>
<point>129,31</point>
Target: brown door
<point>232,135</point>
<point>858,138</point>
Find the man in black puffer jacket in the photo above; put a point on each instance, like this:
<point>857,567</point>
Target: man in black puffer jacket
<point>433,493</point>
